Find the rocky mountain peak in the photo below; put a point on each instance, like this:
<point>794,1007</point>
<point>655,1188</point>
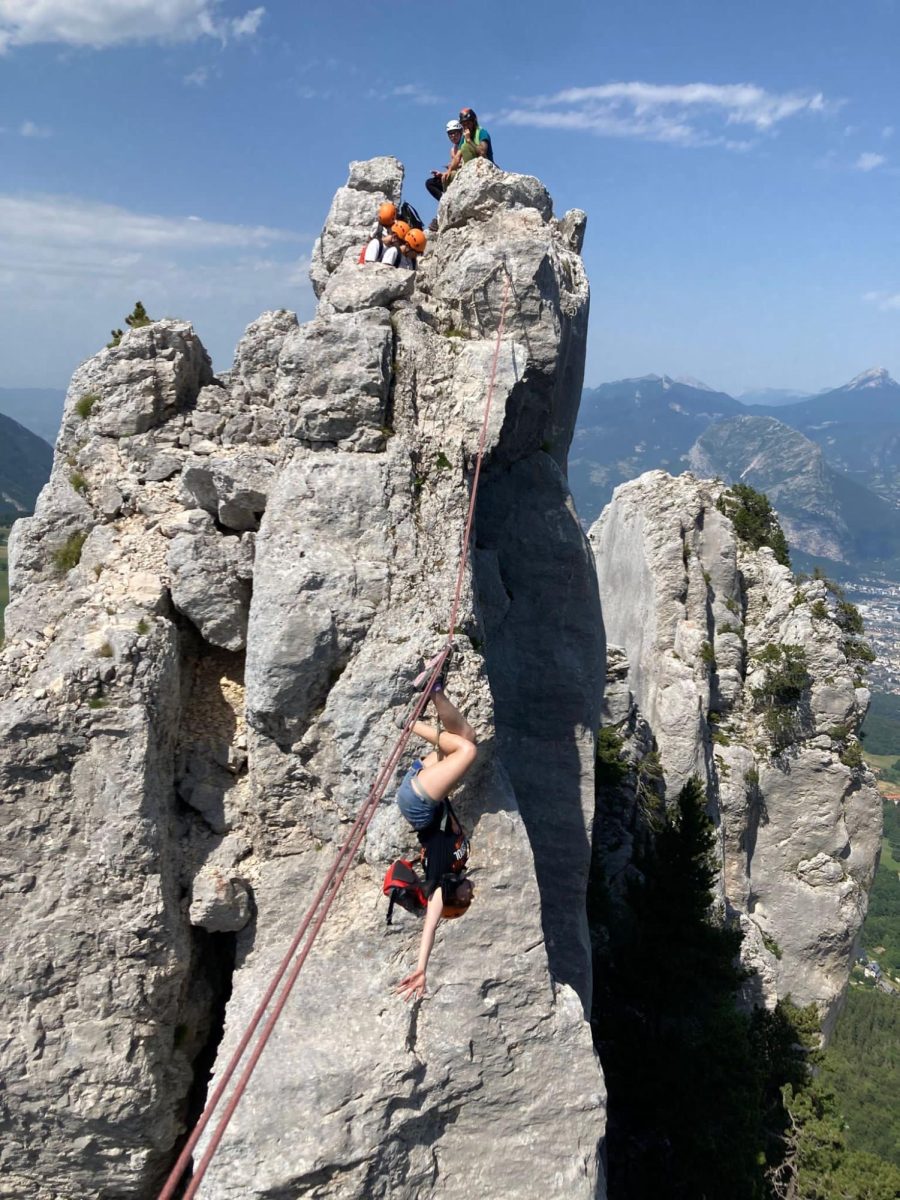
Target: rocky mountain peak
<point>875,377</point>
<point>707,630</point>
<point>217,612</point>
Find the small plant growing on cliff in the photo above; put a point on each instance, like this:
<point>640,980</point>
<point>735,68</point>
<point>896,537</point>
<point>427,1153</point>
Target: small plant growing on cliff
<point>78,482</point>
<point>106,650</point>
<point>649,789</point>
<point>779,696</point>
<point>858,651</point>
<point>137,319</point>
<point>819,610</point>
<point>442,462</point>
<point>68,555</point>
<point>143,626</point>
<point>851,755</point>
<point>754,520</point>
<point>611,768</point>
<point>771,945</point>
<point>707,655</point>
<point>84,405</point>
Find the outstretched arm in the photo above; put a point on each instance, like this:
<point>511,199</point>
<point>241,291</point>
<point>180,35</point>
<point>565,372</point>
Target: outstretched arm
<point>413,986</point>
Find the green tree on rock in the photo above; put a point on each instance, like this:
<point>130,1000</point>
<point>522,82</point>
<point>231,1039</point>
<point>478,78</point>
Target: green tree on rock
<point>754,520</point>
<point>137,319</point>
<point>678,1057</point>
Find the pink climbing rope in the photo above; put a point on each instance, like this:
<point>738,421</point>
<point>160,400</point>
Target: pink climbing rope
<point>314,918</point>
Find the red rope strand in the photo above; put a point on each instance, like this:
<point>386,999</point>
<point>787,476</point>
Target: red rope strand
<point>314,918</point>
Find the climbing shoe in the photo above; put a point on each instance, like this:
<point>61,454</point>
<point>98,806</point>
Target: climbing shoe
<point>421,680</point>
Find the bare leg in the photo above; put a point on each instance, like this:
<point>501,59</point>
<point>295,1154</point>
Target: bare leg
<point>457,744</point>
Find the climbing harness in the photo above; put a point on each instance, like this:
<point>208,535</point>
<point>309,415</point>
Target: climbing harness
<point>315,915</point>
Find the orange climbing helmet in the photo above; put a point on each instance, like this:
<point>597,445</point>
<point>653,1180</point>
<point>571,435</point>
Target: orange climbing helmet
<point>400,229</point>
<point>387,213</point>
<point>416,240</point>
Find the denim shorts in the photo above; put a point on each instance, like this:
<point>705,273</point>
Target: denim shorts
<point>420,813</point>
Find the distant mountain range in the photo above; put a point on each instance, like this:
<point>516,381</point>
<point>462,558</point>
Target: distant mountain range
<point>830,462</point>
<point>25,462</point>
<point>634,425</point>
<point>858,428</point>
<point>824,512</point>
<point>773,397</point>
<point>38,409</point>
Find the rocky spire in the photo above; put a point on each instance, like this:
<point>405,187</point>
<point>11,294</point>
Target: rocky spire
<point>704,626</point>
<point>217,611</point>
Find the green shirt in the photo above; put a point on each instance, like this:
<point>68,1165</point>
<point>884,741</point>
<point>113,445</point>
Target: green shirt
<point>467,149</point>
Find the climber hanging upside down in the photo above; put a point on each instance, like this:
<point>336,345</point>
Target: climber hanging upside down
<point>422,798</point>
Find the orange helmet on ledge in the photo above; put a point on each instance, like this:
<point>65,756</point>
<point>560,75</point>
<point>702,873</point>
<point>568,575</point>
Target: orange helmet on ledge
<point>400,229</point>
<point>416,240</point>
<point>387,213</point>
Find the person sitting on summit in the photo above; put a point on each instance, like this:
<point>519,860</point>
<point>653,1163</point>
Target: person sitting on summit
<point>382,237</point>
<point>440,180</point>
<point>476,141</point>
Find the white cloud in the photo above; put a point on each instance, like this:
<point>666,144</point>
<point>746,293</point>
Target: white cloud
<point>693,114</point>
<point>248,24</point>
<point>78,265</point>
<point>102,23</point>
<point>885,301</point>
<point>869,162</point>
<point>28,129</point>
<point>197,78</point>
<point>60,222</point>
<point>417,94</point>
<point>888,132</point>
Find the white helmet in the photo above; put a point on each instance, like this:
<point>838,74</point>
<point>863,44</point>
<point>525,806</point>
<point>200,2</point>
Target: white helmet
<point>454,127</point>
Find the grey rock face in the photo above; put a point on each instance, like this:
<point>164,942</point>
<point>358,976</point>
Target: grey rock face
<point>529,536</point>
<point>233,490</point>
<point>256,357</point>
<point>353,215</point>
<point>697,612</point>
<point>195,708</point>
<point>355,286</point>
<point>152,373</point>
<point>322,572</point>
<point>209,582</point>
<point>481,189</point>
<point>334,378</point>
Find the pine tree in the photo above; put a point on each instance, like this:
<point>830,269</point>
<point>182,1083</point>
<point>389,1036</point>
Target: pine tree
<point>677,1055</point>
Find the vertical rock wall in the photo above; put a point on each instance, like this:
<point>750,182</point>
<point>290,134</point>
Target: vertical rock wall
<point>198,692</point>
<point>696,613</point>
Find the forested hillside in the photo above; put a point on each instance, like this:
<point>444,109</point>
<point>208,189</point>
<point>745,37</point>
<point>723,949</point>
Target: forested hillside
<point>25,462</point>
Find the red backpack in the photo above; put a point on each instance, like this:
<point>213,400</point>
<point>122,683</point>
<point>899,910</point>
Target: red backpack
<point>404,887</point>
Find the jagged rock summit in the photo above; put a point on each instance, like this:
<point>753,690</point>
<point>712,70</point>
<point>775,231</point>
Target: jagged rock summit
<point>217,611</point>
<point>745,678</point>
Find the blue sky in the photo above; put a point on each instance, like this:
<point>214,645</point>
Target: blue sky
<point>740,166</point>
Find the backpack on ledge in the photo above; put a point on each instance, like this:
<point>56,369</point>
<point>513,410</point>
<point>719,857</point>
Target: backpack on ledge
<point>408,214</point>
<point>404,887</point>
